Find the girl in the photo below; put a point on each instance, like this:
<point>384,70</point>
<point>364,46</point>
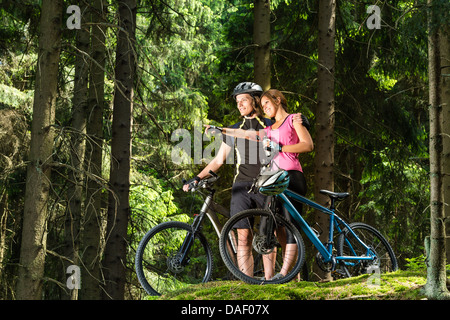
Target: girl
<point>290,139</point>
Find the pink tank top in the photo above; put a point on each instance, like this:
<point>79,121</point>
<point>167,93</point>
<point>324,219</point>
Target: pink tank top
<point>285,135</point>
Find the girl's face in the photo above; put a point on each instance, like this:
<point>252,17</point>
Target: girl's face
<point>244,103</point>
<point>269,108</point>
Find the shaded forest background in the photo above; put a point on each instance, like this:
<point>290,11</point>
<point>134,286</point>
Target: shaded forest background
<point>188,56</point>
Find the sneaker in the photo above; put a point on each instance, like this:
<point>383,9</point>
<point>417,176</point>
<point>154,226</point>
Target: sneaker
<point>278,276</point>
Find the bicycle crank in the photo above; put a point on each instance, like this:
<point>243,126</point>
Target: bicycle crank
<point>325,266</point>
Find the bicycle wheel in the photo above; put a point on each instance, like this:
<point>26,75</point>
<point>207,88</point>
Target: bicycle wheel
<point>347,245</point>
<point>158,258</point>
<point>259,233</point>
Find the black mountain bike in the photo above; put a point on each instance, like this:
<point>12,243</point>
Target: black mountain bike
<point>175,254</point>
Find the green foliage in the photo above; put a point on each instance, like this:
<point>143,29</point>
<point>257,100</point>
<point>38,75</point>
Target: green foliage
<point>18,24</point>
<point>416,264</point>
<point>16,79</point>
<point>152,198</point>
<point>151,202</point>
<point>14,98</point>
<point>397,194</point>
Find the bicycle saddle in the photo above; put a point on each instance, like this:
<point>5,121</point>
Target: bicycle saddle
<point>335,195</point>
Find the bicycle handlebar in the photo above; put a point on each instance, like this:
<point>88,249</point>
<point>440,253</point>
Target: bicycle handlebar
<point>204,183</point>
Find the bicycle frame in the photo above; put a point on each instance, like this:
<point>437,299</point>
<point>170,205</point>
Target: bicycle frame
<point>208,209</point>
<point>335,223</point>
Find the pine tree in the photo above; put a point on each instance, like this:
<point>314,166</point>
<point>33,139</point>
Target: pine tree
<point>324,158</point>
<point>34,231</point>
<point>118,203</point>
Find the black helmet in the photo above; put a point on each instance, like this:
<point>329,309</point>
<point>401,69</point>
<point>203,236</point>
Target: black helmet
<point>247,87</point>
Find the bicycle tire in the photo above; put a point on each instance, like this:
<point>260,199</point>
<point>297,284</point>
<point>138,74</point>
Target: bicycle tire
<point>255,278</point>
<point>157,264</point>
<point>347,246</point>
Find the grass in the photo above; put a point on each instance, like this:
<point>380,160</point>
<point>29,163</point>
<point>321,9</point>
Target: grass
<point>399,285</point>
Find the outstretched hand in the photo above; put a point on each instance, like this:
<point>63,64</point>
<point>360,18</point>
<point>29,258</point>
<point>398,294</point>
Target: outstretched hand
<point>213,128</point>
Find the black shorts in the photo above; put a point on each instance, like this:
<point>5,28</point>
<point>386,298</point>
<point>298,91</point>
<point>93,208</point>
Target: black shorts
<point>242,200</point>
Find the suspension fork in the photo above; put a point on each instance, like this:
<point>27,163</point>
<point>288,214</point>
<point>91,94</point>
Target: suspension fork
<point>196,226</point>
<point>267,227</point>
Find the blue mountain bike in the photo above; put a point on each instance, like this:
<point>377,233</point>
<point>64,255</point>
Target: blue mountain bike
<point>351,249</point>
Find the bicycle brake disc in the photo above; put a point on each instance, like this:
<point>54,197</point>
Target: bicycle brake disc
<point>262,245</point>
<point>174,263</point>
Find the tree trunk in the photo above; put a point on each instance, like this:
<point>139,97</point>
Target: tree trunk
<point>93,227</point>
<point>34,231</point>
<point>324,157</point>
<point>3,230</point>
<point>444,39</point>
<point>261,38</point>
<point>118,203</point>
<point>435,287</point>
<point>78,146</point>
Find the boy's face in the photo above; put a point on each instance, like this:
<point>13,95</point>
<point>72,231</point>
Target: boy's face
<point>244,103</point>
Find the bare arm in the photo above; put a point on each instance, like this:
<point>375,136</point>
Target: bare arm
<point>238,133</point>
<point>215,163</point>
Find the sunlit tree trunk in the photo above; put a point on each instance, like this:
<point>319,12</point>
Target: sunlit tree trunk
<point>34,230</point>
<point>261,38</point>
<point>444,44</point>
<point>435,287</point>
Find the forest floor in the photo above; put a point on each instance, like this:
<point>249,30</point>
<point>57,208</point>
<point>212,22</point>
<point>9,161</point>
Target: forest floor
<point>399,285</point>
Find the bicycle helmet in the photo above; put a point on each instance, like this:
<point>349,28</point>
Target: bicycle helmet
<point>251,88</point>
<point>272,182</point>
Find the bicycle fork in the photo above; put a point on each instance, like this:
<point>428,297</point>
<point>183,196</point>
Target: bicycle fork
<point>183,252</point>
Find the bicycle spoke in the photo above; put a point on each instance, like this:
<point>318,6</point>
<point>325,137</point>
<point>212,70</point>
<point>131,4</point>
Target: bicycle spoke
<point>262,250</point>
<point>158,259</point>
<point>349,245</point>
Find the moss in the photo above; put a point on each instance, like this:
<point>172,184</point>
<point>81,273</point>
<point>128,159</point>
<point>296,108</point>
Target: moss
<point>400,285</point>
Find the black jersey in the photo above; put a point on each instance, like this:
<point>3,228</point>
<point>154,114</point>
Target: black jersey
<point>247,152</point>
